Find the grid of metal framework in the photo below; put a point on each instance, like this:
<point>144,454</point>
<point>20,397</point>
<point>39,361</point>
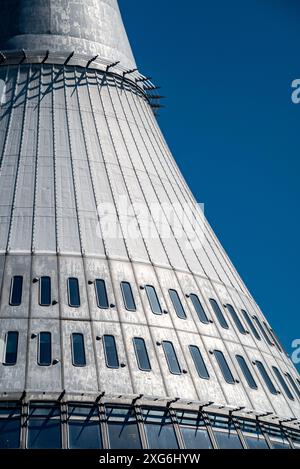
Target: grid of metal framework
<point>80,424</point>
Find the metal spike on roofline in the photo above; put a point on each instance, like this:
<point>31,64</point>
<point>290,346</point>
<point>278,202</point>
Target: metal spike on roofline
<point>152,88</point>
<point>157,106</point>
<point>142,79</point>
<point>112,65</point>
<point>91,60</point>
<point>69,58</point>
<point>128,72</point>
<point>156,97</point>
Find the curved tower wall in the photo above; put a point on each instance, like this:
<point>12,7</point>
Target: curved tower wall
<point>73,139</point>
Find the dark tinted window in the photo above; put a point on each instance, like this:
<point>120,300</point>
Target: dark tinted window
<point>224,367</point>
<point>219,314</point>
<point>141,354</point>
<point>171,357</point>
<point>45,349</point>
<point>199,362</point>
<point>199,308</point>
<point>101,294</point>
<point>236,319</point>
<point>16,291</point>
<point>193,430</point>
<point>10,425</point>
<point>84,427</point>
<point>123,430</point>
<point>177,304</point>
<point>129,302</point>
<point>74,295</point>
<point>274,337</point>
<point>283,383</point>
<point>266,377</point>
<point>44,430</point>
<point>110,350</point>
<point>250,324</point>
<point>78,350</point>
<point>265,335</point>
<point>246,372</point>
<point>225,433</point>
<point>45,291</point>
<point>253,434</point>
<point>11,349</point>
<point>153,299</point>
<point>159,429</point>
<point>293,384</point>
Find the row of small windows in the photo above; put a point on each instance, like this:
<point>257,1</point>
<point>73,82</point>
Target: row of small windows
<point>129,303</point>
<point>44,358</point>
<point>50,425</point>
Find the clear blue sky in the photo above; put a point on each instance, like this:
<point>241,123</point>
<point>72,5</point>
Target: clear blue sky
<point>226,68</point>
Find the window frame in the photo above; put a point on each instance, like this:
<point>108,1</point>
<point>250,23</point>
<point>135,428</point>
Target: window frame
<point>153,289</point>
<point>246,368</point>
<point>218,353</point>
<point>12,287</point>
<point>105,336</point>
<point>16,347</point>
<point>45,305</point>
<point>175,356</point>
<point>203,312</point>
<point>176,305</point>
<point>282,383</point>
<point>147,370</point>
<point>69,293</point>
<point>249,321</point>
<point>133,310</point>
<point>72,349</point>
<point>97,280</point>
<point>39,349</point>
<point>266,377</point>
<point>218,313</point>
<point>235,317</point>
<point>197,350</point>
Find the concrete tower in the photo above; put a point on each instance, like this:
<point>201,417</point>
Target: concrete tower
<point>123,322</point>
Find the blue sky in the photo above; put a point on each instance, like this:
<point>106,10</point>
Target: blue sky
<point>226,68</point>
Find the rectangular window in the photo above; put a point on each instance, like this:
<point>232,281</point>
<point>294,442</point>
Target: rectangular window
<point>260,327</point>
<point>101,294</point>
<point>84,427</point>
<point>199,308</point>
<point>159,429</point>
<point>10,425</point>
<point>253,434</point>
<point>11,348</point>
<point>123,431</point>
<point>293,384</point>
<point>266,377</point>
<point>73,291</point>
<point>236,319</point>
<point>224,367</point>
<point>110,351</point>
<point>78,349</point>
<point>274,337</point>
<point>44,430</point>
<point>177,304</point>
<point>283,383</point>
<point>153,299</point>
<point>225,433</point>
<point>128,299</point>
<point>16,291</point>
<point>250,324</point>
<point>45,291</point>
<point>218,313</point>
<point>171,358</point>
<point>277,437</point>
<point>198,362</point>
<point>45,349</point>
<point>246,372</point>
<point>193,430</point>
<point>141,353</point>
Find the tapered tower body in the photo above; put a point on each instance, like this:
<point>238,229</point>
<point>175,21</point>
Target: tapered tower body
<point>119,308</point>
